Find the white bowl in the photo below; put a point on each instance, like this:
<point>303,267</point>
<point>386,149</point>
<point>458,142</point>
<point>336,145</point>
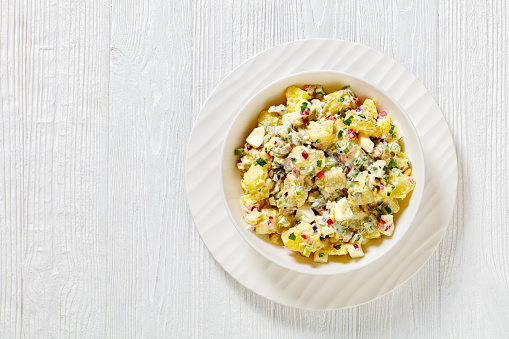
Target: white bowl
<point>244,123</point>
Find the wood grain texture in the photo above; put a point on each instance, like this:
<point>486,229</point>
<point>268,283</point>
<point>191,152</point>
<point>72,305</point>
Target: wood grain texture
<point>98,100</point>
<point>54,88</point>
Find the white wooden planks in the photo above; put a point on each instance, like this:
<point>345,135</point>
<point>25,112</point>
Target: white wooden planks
<point>150,118</point>
<point>98,100</point>
<point>54,89</point>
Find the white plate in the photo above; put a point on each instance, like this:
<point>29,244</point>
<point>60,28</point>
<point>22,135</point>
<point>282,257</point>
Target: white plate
<point>270,280</point>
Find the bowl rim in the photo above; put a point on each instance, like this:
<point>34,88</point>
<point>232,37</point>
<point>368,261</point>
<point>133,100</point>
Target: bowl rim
<point>361,263</point>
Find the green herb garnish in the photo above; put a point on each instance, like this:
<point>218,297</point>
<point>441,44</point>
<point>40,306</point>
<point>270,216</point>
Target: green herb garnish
<point>319,163</point>
<point>348,121</point>
<point>388,209</point>
<point>337,247</point>
<point>392,129</point>
<point>341,99</point>
<point>392,164</point>
<point>320,255</point>
<point>239,152</point>
<point>303,106</point>
<point>291,236</point>
<point>340,134</point>
<point>261,162</point>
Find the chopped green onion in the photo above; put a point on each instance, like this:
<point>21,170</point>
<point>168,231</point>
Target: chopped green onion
<point>307,251</point>
<point>294,159</point>
<point>388,209</point>
<point>338,247</point>
<point>352,174</point>
<point>239,152</point>
<point>319,163</point>
<point>299,190</point>
<point>303,106</point>
<point>362,116</point>
<point>320,255</point>
<point>357,162</point>
<point>292,236</point>
<point>261,162</point>
<point>341,99</point>
<point>340,134</point>
<point>386,177</point>
<point>392,164</point>
<point>392,129</point>
<point>348,121</point>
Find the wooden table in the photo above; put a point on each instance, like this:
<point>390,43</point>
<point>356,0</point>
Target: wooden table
<point>98,99</point>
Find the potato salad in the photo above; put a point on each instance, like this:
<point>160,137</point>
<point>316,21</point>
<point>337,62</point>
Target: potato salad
<point>323,174</point>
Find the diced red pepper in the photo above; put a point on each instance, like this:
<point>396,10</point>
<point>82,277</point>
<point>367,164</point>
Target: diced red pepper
<point>304,236</point>
<point>320,175</point>
<point>351,134</point>
<point>271,217</point>
<point>330,222</point>
<point>412,181</point>
<point>355,246</point>
<point>305,121</point>
<point>305,154</point>
<point>382,114</point>
<point>357,101</point>
<point>328,117</point>
<point>306,87</point>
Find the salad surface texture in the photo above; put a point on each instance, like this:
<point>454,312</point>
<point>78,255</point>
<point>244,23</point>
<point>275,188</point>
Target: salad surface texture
<point>323,174</point>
